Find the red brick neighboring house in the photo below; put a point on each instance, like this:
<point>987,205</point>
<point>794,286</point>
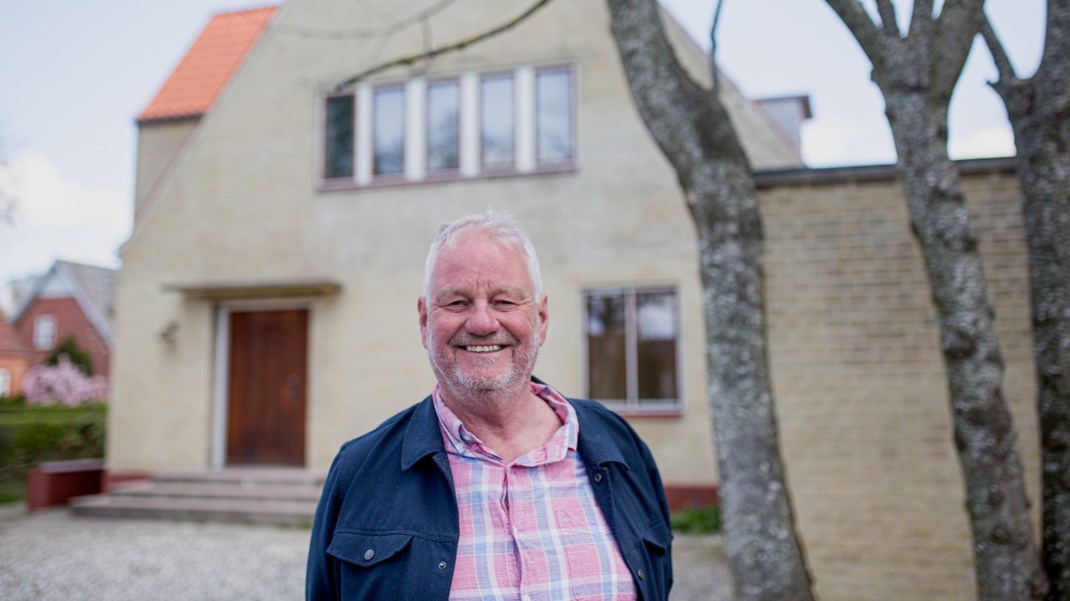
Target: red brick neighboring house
<point>71,300</point>
<point>15,359</point>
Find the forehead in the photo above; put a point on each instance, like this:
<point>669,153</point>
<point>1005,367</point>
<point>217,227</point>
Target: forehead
<point>476,258</point>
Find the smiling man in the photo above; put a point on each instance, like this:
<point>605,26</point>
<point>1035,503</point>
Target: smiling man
<point>495,486</point>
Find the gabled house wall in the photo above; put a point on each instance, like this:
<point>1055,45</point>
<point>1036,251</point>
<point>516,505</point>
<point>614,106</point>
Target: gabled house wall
<point>69,301</point>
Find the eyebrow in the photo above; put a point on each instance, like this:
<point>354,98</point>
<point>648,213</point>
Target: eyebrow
<point>507,290</point>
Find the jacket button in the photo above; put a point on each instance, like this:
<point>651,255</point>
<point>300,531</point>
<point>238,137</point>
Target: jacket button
<point>442,565</point>
<point>598,477</point>
<point>369,554</point>
<point>641,574</point>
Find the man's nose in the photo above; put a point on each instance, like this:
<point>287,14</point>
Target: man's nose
<point>481,321</point>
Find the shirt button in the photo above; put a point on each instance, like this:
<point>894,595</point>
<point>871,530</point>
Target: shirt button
<point>442,565</point>
<point>526,598</point>
<point>641,574</point>
<point>369,554</point>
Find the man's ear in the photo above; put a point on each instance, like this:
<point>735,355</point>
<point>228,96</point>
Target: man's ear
<point>421,308</point>
<point>544,317</point>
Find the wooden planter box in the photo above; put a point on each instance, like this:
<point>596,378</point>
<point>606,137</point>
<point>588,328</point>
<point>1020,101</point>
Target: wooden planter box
<point>53,482</point>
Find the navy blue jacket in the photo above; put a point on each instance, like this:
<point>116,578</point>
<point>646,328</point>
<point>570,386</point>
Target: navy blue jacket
<point>387,528</point>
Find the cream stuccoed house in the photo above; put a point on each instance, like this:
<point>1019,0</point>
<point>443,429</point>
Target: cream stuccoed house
<point>266,304</point>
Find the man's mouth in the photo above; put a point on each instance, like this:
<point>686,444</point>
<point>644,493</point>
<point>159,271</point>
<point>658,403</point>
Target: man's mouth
<point>486,348</point>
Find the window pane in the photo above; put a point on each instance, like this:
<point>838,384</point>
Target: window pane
<point>606,352</point>
<point>443,136</point>
<point>554,102</point>
<point>656,324</point>
<point>338,159</point>
<point>389,131</point>
<point>496,120</point>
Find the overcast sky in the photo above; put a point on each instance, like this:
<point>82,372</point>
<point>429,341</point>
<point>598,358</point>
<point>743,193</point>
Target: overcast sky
<point>75,74</point>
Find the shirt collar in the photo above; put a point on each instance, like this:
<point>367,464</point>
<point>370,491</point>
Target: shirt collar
<point>460,441</point>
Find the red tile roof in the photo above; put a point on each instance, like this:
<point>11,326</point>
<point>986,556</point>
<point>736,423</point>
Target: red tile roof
<point>205,69</point>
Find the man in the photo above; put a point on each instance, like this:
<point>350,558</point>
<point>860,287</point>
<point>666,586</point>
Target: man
<point>495,486</point>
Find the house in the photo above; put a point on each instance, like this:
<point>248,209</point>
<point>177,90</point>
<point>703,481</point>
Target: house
<point>266,306</point>
<point>71,301</point>
<point>15,359</point>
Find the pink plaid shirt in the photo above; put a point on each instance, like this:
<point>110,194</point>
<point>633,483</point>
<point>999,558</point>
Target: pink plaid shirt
<point>530,530</point>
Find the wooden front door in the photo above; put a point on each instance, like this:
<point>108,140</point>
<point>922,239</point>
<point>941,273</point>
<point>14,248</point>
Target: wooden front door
<point>266,388</point>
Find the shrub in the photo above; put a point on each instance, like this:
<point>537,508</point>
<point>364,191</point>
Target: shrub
<point>64,384</point>
<point>75,354</point>
<point>697,520</point>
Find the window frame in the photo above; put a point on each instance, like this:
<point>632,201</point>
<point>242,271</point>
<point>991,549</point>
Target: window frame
<point>432,174</point>
<point>633,405</point>
<point>38,321</point>
<point>415,120</point>
<point>543,166</point>
<point>393,176</point>
<point>505,167</point>
<point>325,139</point>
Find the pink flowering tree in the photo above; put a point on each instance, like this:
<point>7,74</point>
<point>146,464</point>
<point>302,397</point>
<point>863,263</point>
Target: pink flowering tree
<point>63,384</point>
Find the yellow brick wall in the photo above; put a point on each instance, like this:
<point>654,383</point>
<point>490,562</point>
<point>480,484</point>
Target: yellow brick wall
<point>858,374</point>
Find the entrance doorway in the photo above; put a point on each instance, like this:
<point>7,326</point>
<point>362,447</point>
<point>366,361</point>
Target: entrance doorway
<point>266,386</point>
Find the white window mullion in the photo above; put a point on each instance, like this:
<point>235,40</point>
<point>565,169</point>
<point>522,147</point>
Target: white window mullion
<point>525,119</point>
<point>469,116</point>
<point>631,346</point>
<point>363,154</point>
<point>416,129</point>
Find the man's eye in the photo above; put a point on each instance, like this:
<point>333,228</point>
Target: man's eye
<point>457,304</point>
<point>505,304</point>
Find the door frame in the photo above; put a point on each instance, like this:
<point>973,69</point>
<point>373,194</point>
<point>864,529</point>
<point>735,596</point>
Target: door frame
<point>221,380</point>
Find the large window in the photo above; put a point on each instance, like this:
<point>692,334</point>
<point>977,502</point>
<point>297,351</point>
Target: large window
<point>553,119</point>
<point>338,159</point>
<point>632,348</point>
<point>471,125</point>
<point>496,118</point>
<point>388,131</point>
<point>443,126</point>
<point>44,332</point>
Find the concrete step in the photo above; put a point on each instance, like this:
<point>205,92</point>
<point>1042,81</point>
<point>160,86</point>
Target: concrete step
<point>259,496</point>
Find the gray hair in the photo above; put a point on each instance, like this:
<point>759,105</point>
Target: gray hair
<point>502,228</point>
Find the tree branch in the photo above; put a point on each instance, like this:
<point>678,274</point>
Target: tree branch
<point>860,25</point>
<point>959,22</point>
<point>888,22</point>
<point>921,16</point>
<point>714,73</point>
<point>999,55</point>
<point>454,47</point>
<point>366,32</point>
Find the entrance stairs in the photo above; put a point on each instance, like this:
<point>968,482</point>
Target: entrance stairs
<point>285,497</point>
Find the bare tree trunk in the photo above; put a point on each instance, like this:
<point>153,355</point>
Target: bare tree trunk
<point>694,132</point>
<point>1039,111</point>
<point>917,73</point>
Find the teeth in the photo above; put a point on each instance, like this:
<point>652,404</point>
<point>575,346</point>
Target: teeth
<point>483,349</point>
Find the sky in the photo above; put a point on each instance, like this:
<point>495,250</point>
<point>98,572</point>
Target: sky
<point>75,74</point>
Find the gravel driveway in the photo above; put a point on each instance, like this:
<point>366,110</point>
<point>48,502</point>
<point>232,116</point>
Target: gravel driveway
<point>50,555</point>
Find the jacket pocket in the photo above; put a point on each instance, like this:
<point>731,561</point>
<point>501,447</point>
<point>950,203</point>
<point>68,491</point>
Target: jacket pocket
<point>658,538</point>
<point>367,550</point>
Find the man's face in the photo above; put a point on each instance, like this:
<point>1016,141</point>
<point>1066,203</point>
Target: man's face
<point>481,324</point>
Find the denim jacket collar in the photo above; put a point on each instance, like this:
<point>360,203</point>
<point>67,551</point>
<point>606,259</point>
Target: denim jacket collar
<point>423,438</point>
